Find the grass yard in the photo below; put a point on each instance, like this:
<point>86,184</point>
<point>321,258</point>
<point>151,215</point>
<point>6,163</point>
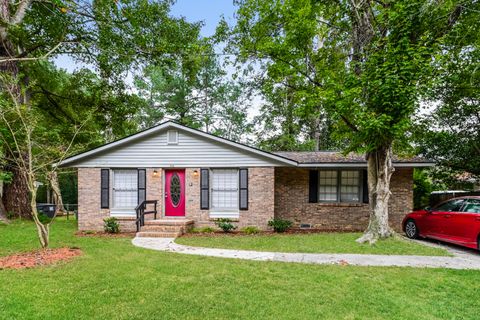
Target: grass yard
<point>312,243</point>
<point>114,280</point>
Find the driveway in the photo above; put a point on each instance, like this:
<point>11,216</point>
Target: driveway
<point>461,259</point>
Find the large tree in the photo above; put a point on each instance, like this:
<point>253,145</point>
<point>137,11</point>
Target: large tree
<point>115,38</point>
<point>450,127</point>
<point>207,98</point>
<point>365,62</point>
<point>291,121</point>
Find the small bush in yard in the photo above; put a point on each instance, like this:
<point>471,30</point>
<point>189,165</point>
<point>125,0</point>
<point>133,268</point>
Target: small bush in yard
<point>203,230</point>
<point>250,230</point>
<point>225,224</point>
<point>280,225</point>
<point>111,225</point>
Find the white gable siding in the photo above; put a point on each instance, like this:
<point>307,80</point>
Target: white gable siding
<point>191,151</point>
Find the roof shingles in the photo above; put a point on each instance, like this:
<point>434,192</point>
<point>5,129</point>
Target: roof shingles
<point>337,157</point>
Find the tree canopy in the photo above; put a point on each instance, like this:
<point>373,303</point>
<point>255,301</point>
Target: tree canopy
<point>365,63</point>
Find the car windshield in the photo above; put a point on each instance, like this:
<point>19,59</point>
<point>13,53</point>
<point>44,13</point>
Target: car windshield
<point>473,205</point>
<point>449,206</point>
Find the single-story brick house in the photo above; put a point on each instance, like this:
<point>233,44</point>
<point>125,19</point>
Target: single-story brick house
<point>196,177</point>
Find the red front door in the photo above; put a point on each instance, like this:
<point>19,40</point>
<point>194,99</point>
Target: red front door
<point>175,193</point>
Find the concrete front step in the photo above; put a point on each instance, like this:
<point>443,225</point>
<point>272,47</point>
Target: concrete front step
<point>147,234</point>
<point>162,228</point>
<point>169,222</point>
<point>165,228</point>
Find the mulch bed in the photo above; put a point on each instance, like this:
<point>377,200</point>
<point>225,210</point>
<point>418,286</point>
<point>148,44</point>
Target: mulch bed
<point>38,258</point>
<point>102,234</point>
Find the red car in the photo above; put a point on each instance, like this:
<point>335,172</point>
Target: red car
<point>456,220</point>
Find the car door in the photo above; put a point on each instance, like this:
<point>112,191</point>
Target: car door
<point>465,224</point>
<point>442,218</point>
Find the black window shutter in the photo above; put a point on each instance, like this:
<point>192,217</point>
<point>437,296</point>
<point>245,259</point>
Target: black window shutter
<point>204,189</point>
<point>142,185</point>
<point>365,186</point>
<point>243,184</point>
<point>313,186</point>
<point>104,188</point>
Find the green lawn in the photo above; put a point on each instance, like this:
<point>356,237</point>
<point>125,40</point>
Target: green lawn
<point>312,243</point>
<point>114,280</point>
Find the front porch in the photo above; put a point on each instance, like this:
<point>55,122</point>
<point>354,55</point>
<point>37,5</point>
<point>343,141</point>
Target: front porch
<point>149,223</point>
<point>165,227</point>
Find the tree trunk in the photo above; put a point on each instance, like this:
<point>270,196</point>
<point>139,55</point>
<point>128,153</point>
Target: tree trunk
<point>16,195</point>
<point>57,195</point>
<point>43,230</point>
<point>380,170</point>
<point>3,211</point>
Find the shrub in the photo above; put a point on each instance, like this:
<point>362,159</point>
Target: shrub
<point>202,230</point>
<point>43,218</point>
<point>250,230</point>
<point>225,224</point>
<point>111,225</point>
<point>280,225</point>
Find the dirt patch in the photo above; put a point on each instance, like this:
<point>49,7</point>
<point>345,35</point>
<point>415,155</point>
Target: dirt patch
<point>38,258</point>
<point>102,234</point>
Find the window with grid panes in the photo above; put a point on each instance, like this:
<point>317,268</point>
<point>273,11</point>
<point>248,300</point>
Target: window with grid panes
<point>327,186</point>
<point>339,186</point>
<point>350,186</point>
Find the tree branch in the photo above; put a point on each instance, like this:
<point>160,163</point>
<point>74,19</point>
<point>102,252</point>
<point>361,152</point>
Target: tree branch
<point>45,56</point>
<point>20,13</point>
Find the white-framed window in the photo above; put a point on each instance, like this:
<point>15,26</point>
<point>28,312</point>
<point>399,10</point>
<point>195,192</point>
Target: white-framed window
<point>172,137</point>
<point>224,192</point>
<point>339,186</point>
<point>125,189</point>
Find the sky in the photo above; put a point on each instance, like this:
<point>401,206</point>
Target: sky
<point>208,11</point>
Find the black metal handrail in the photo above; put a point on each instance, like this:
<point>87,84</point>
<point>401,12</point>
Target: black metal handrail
<point>140,211</point>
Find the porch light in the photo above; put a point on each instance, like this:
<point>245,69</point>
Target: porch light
<point>155,173</point>
<point>195,173</point>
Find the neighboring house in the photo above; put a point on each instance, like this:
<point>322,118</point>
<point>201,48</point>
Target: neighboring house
<point>197,177</point>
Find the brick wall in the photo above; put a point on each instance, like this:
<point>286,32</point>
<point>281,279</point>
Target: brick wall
<point>291,202</point>
<point>282,192</point>
<point>260,200</point>
<point>90,216</point>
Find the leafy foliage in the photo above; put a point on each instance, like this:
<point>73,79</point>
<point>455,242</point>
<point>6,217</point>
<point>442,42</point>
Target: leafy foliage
<point>366,64</point>
<point>250,230</point>
<point>111,225</point>
<point>450,132</point>
<point>225,224</point>
<point>422,188</point>
<point>206,99</point>
<point>280,225</point>
<point>203,230</point>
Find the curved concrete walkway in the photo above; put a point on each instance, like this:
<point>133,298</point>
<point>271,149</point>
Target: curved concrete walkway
<point>460,260</point>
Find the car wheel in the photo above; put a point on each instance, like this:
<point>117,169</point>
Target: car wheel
<point>411,229</point>
<point>478,243</point>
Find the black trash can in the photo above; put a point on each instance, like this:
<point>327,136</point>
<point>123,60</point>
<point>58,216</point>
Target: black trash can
<point>47,209</point>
